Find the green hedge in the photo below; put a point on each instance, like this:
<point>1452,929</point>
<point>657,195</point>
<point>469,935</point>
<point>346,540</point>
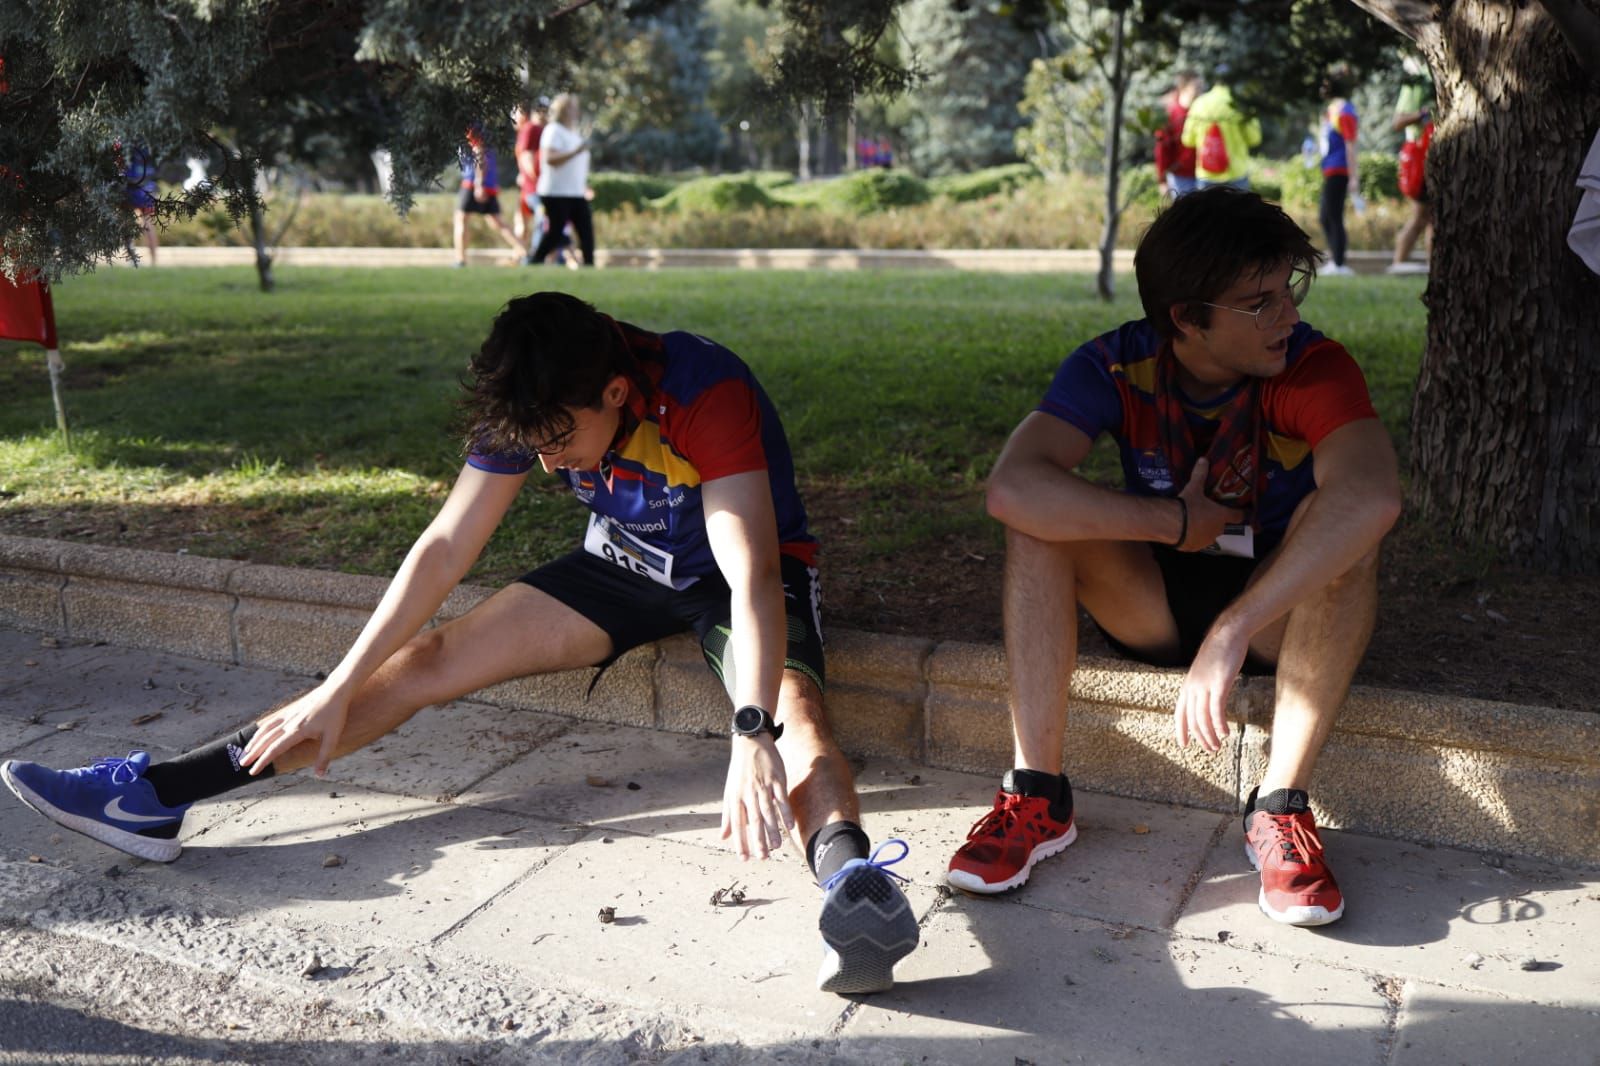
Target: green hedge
<point>1301,182</point>
<point>612,189</point>
<point>866,191</point>
<point>724,192</point>
<point>982,184</point>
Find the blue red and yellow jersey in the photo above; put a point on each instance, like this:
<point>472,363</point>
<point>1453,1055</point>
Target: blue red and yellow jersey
<point>469,170</point>
<point>1108,386</point>
<point>1339,126</point>
<point>697,414</point>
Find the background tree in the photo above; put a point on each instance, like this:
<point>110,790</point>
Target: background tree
<point>645,84</point>
<point>975,56</point>
<point>169,75</point>
<point>1505,429</point>
<point>1100,60</point>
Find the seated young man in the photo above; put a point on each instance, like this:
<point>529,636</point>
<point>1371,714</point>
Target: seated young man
<point>1258,485</point>
<point>695,523</point>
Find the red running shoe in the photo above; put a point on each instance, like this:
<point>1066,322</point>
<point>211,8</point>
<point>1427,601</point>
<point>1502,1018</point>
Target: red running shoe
<point>1003,845</point>
<point>1281,841</point>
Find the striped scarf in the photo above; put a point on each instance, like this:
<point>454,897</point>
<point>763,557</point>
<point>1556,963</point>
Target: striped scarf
<point>1235,452</point>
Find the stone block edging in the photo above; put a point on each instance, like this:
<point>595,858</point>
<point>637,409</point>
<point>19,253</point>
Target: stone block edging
<point>1507,778</point>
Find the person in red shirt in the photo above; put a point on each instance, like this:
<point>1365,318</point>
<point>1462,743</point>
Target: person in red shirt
<point>1174,162</point>
<point>529,121</point>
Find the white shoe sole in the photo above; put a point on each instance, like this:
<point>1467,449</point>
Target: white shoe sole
<point>140,847</point>
<point>1301,916</point>
<point>970,882</point>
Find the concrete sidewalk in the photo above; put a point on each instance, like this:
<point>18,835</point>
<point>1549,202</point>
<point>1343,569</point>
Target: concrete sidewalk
<point>436,899</point>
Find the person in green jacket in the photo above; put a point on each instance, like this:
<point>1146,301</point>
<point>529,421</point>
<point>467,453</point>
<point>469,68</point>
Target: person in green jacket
<point>1221,136</point>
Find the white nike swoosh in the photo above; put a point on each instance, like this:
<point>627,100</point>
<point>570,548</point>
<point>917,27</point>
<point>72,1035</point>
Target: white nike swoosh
<point>114,810</point>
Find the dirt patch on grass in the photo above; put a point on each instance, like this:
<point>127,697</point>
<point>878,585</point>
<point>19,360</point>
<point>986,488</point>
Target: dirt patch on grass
<point>1449,621</point>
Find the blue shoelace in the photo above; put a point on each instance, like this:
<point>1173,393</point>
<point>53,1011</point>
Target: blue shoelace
<point>120,771</point>
<point>873,861</point>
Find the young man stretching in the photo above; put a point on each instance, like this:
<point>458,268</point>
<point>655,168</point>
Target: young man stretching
<point>695,523</point>
<point>1258,485</point>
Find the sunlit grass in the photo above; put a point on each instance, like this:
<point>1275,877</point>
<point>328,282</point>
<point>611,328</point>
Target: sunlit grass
<point>316,425</point>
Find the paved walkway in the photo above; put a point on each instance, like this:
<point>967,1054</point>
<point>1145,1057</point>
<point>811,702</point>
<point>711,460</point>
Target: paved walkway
<point>436,899</point>
<point>1000,260</point>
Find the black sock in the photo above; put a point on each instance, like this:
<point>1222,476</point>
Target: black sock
<point>204,772</point>
<point>1283,801</point>
<point>834,845</point>
<point>1052,787</point>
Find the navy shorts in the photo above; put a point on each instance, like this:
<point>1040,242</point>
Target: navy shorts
<point>635,610</point>
<point>1199,586</point>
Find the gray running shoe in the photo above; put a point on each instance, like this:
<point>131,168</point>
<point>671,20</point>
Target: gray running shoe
<point>867,925</point>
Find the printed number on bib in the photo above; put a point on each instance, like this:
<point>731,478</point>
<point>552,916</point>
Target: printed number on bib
<point>616,545</point>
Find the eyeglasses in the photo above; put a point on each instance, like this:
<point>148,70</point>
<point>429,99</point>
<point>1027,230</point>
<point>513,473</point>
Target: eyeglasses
<point>1270,310</point>
<point>556,444</point>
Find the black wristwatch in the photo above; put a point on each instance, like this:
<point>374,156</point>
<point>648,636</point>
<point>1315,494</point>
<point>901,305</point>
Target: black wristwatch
<point>752,721</point>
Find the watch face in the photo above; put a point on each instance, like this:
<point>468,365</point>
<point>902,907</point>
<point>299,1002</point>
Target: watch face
<point>747,719</point>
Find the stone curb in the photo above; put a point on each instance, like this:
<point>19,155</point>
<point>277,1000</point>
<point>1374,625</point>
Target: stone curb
<point>1466,773</point>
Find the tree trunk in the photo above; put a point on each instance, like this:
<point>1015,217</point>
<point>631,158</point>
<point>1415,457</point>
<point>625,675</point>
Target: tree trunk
<point>802,143</point>
<point>258,234</point>
<point>1105,282</point>
<point>1505,422</point>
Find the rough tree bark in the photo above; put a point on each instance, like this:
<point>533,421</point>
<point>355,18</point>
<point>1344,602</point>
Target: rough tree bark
<point>1505,426</point>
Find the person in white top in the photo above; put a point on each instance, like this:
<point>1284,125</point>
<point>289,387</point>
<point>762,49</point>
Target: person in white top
<point>564,180</point>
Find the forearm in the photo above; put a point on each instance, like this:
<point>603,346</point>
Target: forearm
<point>432,568</point>
<point>759,639</point>
<point>1336,530</point>
<point>1051,504</point>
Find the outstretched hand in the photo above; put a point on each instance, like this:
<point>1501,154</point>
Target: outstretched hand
<point>1207,518</point>
<point>755,801</point>
<point>317,715</point>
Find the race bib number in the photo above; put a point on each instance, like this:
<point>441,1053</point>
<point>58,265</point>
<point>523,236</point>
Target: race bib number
<point>1237,540</point>
<point>616,545</point>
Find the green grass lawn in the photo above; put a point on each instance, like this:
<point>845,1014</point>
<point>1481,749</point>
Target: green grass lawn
<point>315,426</point>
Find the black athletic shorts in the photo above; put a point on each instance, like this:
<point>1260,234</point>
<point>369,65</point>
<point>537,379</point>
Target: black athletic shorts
<point>1199,586</point>
<point>635,610</point>
<point>473,206</point>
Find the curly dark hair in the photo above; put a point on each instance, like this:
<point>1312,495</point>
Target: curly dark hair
<point>1204,243</point>
<point>544,354</point>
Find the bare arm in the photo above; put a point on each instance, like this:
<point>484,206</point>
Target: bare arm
<point>436,563</point>
<point>1034,490</point>
<point>1356,502</point>
<point>553,158</point>
<point>743,530</point>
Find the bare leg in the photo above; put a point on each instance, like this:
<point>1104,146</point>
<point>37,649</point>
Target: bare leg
<point>486,645</point>
<point>500,227</point>
<point>1323,642</point>
<point>821,786</point>
<point>148,224</point>
<point>1421,218</point>
<point>1121,586</point>
<point>460,233</point>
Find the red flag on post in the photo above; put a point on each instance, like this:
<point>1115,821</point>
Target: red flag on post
<point>26,314</point>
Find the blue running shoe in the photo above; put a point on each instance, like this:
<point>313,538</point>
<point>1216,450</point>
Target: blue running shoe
<point>109,801</point>
<point>866,924</point>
